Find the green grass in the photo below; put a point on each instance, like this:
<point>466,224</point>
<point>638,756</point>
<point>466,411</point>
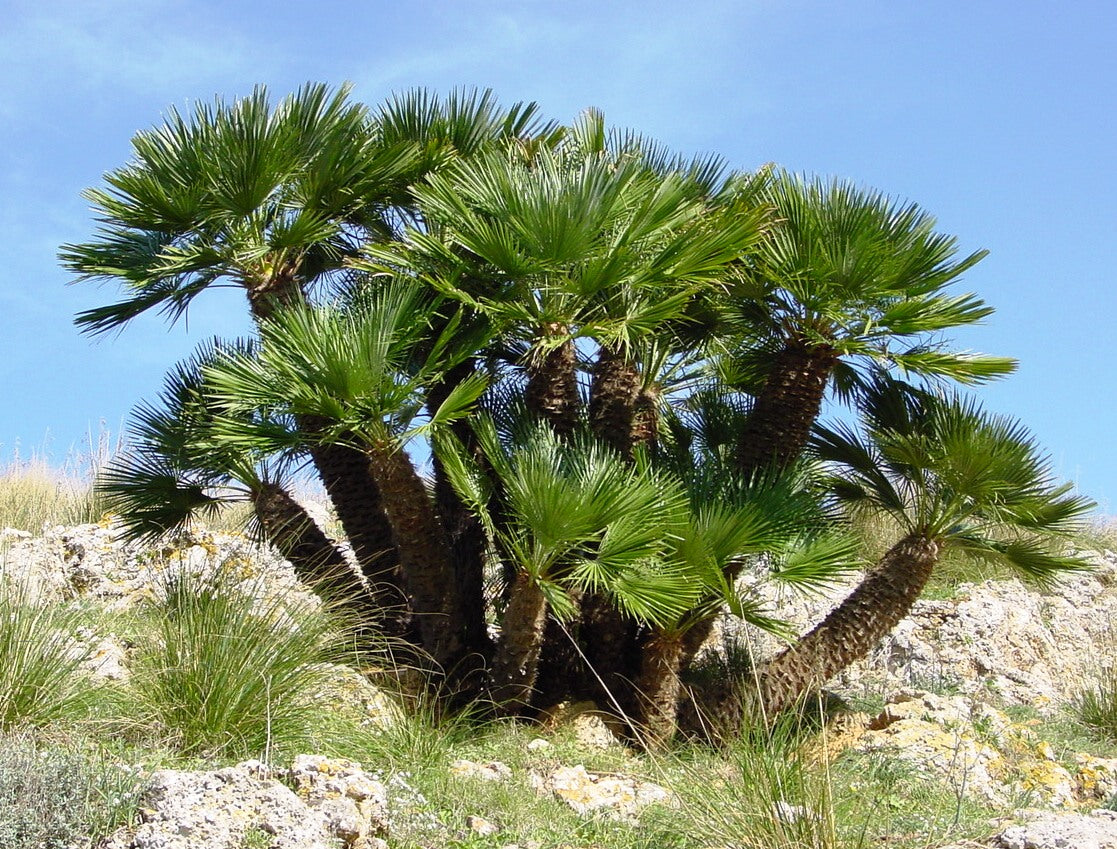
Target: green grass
<point>41,676</point>
<point>1095,706</point>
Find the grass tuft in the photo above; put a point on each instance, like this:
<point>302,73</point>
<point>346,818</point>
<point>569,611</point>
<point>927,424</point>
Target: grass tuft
<point>41,676</point>
<point>229,676</point>
<point>1095,706</point>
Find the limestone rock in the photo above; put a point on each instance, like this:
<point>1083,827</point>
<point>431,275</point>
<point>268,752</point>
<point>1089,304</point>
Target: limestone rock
<point>481,826</point>
<point>91,562</point>
<point>353,804</point>
<point>1097,777</point>
<point>1097,830</point>
<point>1000,638</point>
<point>592,728</point>
<point>586,792</point>
<point>336,805</point>
<point>972,745</point>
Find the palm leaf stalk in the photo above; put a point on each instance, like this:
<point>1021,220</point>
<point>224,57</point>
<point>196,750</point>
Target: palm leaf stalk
<point>953,476</point>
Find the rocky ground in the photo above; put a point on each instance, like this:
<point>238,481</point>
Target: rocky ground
<point>965,681</point>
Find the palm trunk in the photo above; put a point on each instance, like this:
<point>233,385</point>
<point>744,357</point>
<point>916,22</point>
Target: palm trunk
<point>464,530</point>
<point>344,473</point>
<point>552,386</point>
<point>613,396</point>
<point>786,408</point>
<point>624,416</point>
<point>645,426</point>
<point>659,688</point>
<point>854,627</point>
<point>317,561</point>
<point>357,498</point>
<point>516,663</point>
<point>776,432</point>
<point>424,555</point>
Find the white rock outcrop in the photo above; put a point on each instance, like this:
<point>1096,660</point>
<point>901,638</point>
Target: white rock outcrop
<point>335,805</point>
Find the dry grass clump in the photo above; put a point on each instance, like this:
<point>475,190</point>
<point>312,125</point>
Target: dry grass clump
<point>32,494</point>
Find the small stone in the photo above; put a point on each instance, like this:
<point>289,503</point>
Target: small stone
<point>491,771</point>
<point>481,826</point>
<point>538,745</point>
<point>586,792</point>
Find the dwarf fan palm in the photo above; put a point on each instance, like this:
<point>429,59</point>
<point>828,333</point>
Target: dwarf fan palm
<point>952,476</point>
<point>178,467</point>
<point>576,519</point>
<point>842,274</point>
<point>277,201</point>
<point>362,370</point>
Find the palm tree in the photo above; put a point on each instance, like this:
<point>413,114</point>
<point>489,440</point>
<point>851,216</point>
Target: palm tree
<point>363,369</point>
<point>952,476</point>
<point>271,200</point>
<point>844,275</point>
<point>844,278</point>
<point>178,468</point>
<point>277,201</point>
<point>773,524</point>
<point>578,519</point>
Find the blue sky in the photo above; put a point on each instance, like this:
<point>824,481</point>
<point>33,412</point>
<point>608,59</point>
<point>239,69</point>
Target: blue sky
<point>997,117</point>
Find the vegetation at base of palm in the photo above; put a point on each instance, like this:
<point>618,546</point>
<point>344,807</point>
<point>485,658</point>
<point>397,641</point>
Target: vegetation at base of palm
<point>419,270</point>
<point>232,677</point>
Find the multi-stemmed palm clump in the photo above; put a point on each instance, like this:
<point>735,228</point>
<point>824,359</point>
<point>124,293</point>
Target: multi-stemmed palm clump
<point>615,357</point>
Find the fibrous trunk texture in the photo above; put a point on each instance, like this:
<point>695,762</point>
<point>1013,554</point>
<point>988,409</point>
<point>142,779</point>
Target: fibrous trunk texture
<point>357,499</point>
<point>658,687</point>
<point>854,627</point>
<point>613,396</point>
<point>424,556</point>
<point>552,386</point>
<point>645,425</point>
<point>463,529</point>
<point>317,561</point>
<point>786,408</point>
<point>609,639</point>
<point>610,642</point>
<point>344,473</point>
<point>516,662</point>
<point>282,288</point>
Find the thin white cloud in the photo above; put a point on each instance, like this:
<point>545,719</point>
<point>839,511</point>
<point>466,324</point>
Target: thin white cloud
<point>113,48</point>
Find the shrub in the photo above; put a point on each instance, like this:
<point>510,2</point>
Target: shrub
<point>52,795</point>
